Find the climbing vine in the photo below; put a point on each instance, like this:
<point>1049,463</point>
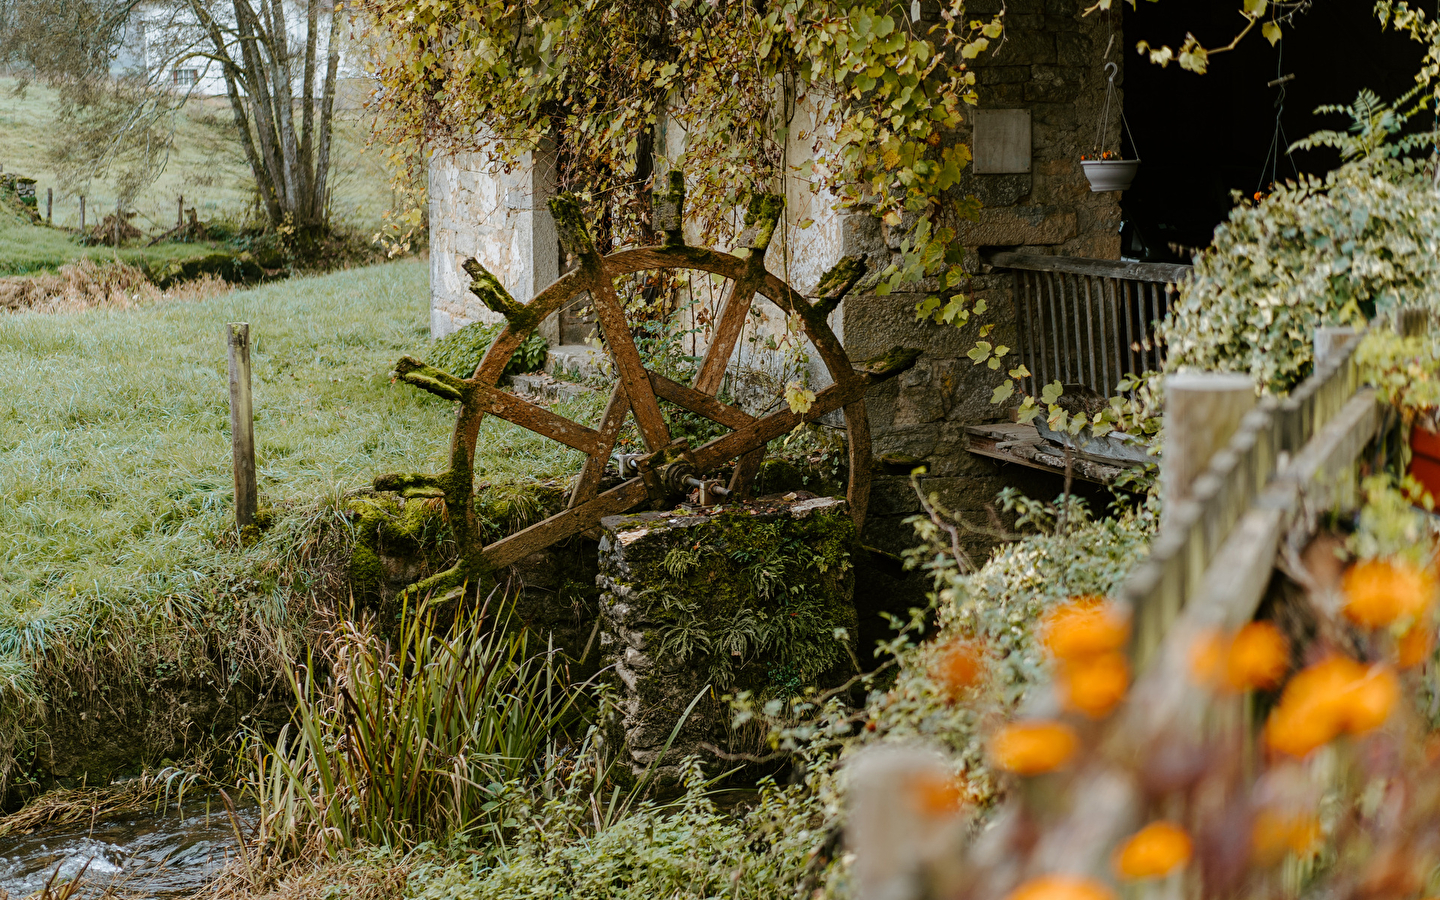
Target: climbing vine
<point>607,86</point>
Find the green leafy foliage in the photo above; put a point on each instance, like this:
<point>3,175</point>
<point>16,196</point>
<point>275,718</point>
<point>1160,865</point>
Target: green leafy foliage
<point>461,351</point>
<point>689,849</point>
<point>1332,251</point>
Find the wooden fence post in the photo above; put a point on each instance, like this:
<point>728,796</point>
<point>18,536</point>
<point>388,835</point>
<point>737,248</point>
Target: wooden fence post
<point>116,229</point>
<point>82,212</point>
<point>1202,411</point>
<point>1331,340</point>
<point>242,423</point>
<point>49,204</point>
<point>180,211</point>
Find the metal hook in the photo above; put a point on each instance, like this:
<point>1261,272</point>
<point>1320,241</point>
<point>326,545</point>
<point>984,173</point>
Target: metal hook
<point>1112,68</point>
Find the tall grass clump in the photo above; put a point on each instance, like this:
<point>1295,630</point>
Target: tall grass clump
<point>409,740</point>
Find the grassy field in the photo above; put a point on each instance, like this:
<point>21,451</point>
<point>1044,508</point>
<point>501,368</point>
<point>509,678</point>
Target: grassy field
<point>206,165</point>
<point>115,517</point>
<point>28,248</point>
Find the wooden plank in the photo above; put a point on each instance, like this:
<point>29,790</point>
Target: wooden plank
<point>242,423</point>
<point>1159,273</point>
<point>594,468</point>
<point>732,323</point>
<point>763,431</point>
<point>511,408</point>
<point>627,361</point>
<point>1029,455</point>
<point>573,521</point>
<point>698,403</point>
<point>1005,431</point>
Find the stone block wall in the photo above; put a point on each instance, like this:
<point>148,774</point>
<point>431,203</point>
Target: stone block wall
<point>500,218</point>
<point>1052,63</point>
<point>697,606</point>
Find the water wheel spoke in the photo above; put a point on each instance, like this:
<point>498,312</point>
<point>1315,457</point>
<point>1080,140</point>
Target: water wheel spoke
<point>762,431</point>
<point>743,478</point>
<point>511,408</point>
<point>594,468</point>
<point>732,323</point>
<point>698,403</point>
<point>572,521</point>
<point>618,339</point>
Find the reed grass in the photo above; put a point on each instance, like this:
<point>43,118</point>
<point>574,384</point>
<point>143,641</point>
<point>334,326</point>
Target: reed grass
<point>416,740</point>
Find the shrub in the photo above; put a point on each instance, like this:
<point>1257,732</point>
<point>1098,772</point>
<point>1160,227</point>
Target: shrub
<point>461,351</point>
<point>1333,251</point>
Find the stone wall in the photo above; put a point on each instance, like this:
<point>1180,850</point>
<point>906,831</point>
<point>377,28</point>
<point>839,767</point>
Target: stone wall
<point>1051,63</point>
<point>697,606</point>
<point>500,218</point>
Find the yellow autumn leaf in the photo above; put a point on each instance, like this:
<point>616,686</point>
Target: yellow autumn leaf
<point>799,397</point>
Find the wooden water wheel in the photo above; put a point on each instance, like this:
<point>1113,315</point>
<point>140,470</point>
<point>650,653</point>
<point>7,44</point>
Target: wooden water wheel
<point>669,469</point>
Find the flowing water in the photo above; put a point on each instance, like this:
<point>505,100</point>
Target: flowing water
<point>163,854</point>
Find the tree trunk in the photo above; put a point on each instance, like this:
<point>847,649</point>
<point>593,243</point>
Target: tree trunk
<point>327,115</point>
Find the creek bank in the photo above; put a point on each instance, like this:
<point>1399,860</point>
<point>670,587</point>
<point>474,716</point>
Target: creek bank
<point>168,852</point>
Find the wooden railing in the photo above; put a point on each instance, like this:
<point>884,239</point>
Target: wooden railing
<point>1254,504</point>
<point>1257,496</point>
<point>1088,321</point>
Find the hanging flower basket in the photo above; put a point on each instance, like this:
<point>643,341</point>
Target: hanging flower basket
<point>1110,174</point>
<point>1106,171</point>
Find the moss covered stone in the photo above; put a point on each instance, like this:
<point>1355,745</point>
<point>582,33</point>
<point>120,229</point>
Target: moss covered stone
<point>756,599</point>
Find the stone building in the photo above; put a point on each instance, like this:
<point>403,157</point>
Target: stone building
<point>1041,93</point>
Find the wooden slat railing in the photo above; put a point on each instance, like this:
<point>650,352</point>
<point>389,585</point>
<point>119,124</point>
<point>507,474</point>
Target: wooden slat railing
<point>1272,465</point>
<point>1259,499</point>
<point>1089,321</point>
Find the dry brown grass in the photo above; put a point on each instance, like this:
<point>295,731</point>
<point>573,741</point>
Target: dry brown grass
<point>72,806</point>
<point>364,877</point>
<point>88,284</point>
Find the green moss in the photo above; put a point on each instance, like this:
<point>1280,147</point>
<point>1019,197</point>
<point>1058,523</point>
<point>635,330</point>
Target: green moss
<point>762,603</point>
<point>763,214</point>
<point>570,224</point>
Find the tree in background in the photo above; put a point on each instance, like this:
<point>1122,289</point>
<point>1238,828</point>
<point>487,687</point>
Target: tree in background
<point>115,62</point>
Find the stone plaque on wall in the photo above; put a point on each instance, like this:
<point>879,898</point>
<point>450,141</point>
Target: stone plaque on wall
<point>1002,141</point>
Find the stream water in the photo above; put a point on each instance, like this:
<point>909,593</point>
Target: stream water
<point>165,854</point>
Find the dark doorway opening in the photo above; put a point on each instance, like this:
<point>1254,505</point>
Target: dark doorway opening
<point>1202,137</point>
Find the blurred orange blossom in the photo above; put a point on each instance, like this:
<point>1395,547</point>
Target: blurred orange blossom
<point>1154,851</point>
<point>1095,685</point>
<point>1062,887</point>
<point>1333,696</point>
<point>1085,626</point>
<point>1378,591</point>
<point>1030,748</point>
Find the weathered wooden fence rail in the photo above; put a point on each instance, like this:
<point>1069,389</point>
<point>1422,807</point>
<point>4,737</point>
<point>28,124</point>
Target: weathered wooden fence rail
<point>1281,465</point>
<point>1283,462</point>
<point>1089,321</point>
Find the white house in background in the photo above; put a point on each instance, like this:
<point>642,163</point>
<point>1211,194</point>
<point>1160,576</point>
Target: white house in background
<point>157,29</point>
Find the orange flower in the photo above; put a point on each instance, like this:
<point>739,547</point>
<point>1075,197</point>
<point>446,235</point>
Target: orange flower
<point>1258,657</point>
<point>1086,626</point>
<point>1274,834</point>
<point>1154,851</point>
<point>933,795</point>
<point>957,668</point>
<point>1330,697</point>
<point>1206,655</point>
<point>1062,887</point>
<point>1095,685</point>
<point>1380,591</point>
<point>1370,699</point>
<point>1415,646</point>
<point>1030,748</point>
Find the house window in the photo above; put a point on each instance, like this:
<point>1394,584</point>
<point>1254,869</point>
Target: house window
<point>185,77</point>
